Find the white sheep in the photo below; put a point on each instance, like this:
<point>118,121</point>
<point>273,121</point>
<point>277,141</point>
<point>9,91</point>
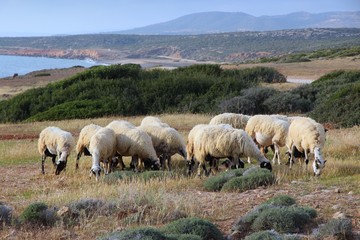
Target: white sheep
<point>216,141</point>
<point>136,143</point>
<point>267,130</point>
<point>83,142</point>
<point>120,127</point>
<point>307,136</point>
<point>54,142</point>
<point>166,141</point>
<point>102,148</point>
<point>150,120</point>
<point>235,120</point>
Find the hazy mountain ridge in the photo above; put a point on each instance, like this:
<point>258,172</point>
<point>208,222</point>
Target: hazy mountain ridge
<point>216,22</point>
<point>220,47</point>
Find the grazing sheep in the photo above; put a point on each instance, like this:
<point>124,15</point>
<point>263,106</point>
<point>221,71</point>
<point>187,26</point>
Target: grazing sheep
<point>150,120</point>
<point>83,142</point>
<point>216,141</point>
<point>213,161</point>
<point>307,136</point>
<point>235,120</point>
<point>268,130</point>
<point>102,148</point>
<point>54,142</point>
<point>166,141</point>
<point>120,127</point>
<point>136,143</point>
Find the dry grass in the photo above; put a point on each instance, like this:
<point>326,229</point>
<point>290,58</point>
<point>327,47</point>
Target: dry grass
<point>308,70</point>
<point>153,202</point>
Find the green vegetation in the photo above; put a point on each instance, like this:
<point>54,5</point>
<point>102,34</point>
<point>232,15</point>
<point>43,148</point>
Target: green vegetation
<point>280,214</point>
<point>340,229</point>
<point>215,183</point>
<point>130,90</point>
<point>194,226</point>
<point>329,53</point>
<point>38,214</point>
<point>205,47</point>
<point>255,178</point>
<point>185,228</point>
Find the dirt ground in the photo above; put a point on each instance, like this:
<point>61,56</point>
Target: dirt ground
<point>326,200</point>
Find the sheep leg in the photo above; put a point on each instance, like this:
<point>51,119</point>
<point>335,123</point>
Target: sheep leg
<point>77,160</point>
<point>306,159</point>
<point>42,163</point>
<point>169,163</point>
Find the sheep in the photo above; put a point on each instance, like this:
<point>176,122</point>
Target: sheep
<point>150,120</point>
<point>136,143</point>
<point>83,142</point>
<point>54,142</point>
<point>308,136</point>
<point>190,150</point>
<point>216,141</point>
<point>268,130</point>
<point>102,148</point>
<point>120,127</point>
<point>166,141</point>
<point>235,120</point>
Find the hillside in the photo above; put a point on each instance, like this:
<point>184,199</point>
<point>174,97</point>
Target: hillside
<point>221,47</point>
<point>217,22</point>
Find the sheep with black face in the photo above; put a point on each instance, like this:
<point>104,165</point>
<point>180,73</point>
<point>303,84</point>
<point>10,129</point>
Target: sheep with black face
<point>54,142</point>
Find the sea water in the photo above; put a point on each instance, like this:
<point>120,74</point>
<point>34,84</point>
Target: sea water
<point>9,65</point>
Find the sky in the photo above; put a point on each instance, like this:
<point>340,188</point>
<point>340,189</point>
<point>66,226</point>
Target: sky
<point>57,17</point>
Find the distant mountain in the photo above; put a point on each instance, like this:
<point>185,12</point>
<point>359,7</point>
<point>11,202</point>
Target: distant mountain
<point>218,22</point>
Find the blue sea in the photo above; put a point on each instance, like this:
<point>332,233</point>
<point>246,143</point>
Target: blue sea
<point>22,65</point>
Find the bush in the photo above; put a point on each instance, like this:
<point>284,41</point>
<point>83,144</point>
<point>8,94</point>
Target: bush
<point>215,183</point>
<point>147,175</point>
<point>282,219</point>
<point>281,201</point>
<point>279,213</point>
<point>90,207</point>
<point>261,177</point>
<point>340,229</point>
<point>5,214</point>
<point>146,233</point>
<point>86,209</point>
<point>38,214</point>
<point>195,226</point>
<point>268,235</point>
<point>116,176</point>
<point>183,237</point>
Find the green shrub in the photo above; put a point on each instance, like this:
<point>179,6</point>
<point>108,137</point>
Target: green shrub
<point>116,176</point>
<point>215,183</point>
<point>243,224</point>
<point>90,207</point>
<point>281,201</point>
<point>38,214</point>
<point>143,233</point>
<point>183,237</point>
<point>282,219</point>
<point>340,229</point>
<point>5,215</point>
<point>268,235</point>
<point>195,226</point>
<point>261,177</point>
<point>147,175</point>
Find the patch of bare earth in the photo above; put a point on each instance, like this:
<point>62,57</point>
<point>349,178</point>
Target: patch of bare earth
<point>14,85</point>
<point>221,207</point>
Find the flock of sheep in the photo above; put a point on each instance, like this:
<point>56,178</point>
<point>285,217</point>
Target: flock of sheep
<point>152,144</point>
